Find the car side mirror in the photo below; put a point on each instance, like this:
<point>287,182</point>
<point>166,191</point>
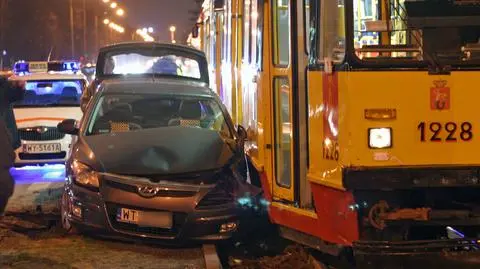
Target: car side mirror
<point>68,127</point>
<point>83,106</point>
<point>195,31</point>
<point>242,134</point>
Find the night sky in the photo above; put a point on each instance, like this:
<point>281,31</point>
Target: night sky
<point>160,14</point>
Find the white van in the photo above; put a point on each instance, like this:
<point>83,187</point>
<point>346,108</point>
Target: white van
<point>53,91</point>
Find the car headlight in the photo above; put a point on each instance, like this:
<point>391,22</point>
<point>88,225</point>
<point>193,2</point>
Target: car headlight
<point>380,138</point>
<point>84,175</point>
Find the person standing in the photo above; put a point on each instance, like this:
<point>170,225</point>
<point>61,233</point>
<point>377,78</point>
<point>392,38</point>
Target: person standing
<point>10,92</point>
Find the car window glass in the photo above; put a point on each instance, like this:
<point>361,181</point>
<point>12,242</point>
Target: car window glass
<point>123,113</point>
<point>134,63</point>
<point>45,93</point>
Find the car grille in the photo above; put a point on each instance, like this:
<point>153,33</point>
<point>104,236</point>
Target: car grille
<point>161,193</point>
<point>178,221</point>
<point>217,197</point>
<point>41,156</point>
<point>31,134</point>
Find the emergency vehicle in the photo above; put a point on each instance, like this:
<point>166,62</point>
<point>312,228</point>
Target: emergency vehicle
<point>53,91</point>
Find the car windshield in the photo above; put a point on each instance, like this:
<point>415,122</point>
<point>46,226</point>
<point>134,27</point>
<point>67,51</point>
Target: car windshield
<point>134,63</point>
<point>45,93</point>
<point>124,113</point>
<point>422,30</point>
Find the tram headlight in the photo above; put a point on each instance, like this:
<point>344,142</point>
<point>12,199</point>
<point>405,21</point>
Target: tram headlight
<point>380,138</point>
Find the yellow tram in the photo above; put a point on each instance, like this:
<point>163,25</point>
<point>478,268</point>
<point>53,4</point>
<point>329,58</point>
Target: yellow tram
<point>361,120</point>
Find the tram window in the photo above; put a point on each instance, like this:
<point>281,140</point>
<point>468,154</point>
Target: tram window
<point>281,21</point>
<point>333,30</point>
<point>370,28</point>
<point>247,31</point>
<point>283,132</point>
<point>311,27</point>
<point>259,33</point>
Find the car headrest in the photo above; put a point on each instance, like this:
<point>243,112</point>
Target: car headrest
<point>190,110</point>
<point>120,112</point>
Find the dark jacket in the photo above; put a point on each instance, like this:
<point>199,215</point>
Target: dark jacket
<point>8,95</point>
<point>7,154</point>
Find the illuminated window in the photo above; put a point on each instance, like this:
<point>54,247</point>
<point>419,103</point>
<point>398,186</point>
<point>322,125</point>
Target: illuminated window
<point>372,32</point>
<point>333,30</point>
<point>259,32</point>
<point>311,27</point>
<point>283,132</point>
<point>281,34</point>
<point>247,31</point>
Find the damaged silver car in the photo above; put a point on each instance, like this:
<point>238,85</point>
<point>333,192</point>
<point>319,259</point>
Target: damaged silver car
<point>156,158</point>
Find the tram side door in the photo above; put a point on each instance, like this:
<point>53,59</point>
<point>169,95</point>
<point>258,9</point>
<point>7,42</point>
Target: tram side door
<point>283,144</point>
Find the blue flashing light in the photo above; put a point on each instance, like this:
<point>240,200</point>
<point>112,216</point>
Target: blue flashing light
<point>22,67</point>
<point>64,66</point>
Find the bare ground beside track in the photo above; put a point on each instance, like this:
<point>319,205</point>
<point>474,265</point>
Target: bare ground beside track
<point>24,244</point>
<point>27,244</point>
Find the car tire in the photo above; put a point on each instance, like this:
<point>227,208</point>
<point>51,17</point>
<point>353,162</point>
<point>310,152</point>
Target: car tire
<point>64,212</point>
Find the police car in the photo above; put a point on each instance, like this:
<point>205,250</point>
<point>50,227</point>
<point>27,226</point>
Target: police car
<point>53,91</point>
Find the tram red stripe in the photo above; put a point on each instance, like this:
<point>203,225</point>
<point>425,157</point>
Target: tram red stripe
<point>330,104</point>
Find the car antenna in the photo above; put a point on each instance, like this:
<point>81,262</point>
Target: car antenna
<point>50,54</point>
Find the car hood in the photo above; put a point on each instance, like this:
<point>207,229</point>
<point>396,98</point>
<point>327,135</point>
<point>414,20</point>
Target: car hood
<point>171,150</point>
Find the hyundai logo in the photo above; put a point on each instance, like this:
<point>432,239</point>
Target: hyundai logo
<point>42,130</point>
<point>147,191</point>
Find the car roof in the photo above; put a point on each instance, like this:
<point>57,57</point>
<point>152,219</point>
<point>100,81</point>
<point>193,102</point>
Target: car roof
<point>48,76</point>
<point>155,86</point>
<point>131,44</point>
<point>157,49</point>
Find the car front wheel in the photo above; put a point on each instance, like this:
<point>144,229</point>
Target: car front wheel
<point>65,211</point>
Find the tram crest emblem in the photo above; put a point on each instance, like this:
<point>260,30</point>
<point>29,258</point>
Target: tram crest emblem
<point>440,95</point>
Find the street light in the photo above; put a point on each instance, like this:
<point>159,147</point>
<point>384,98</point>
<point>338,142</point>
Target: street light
<point>106,1</point>
<point>150,29</point>
<point>120,12</point>
<point>172,33</point>
<point>116,27</point>
<point>106,21</point>
<point>143,33</point>
<point>113,5</point>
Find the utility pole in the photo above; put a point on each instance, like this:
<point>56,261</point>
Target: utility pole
<point>72,34</point>
<point>3,28</point>
<point>85,47</point>
<point>96,33</point>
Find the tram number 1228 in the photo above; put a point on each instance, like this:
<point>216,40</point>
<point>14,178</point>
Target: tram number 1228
<point>331,151</point>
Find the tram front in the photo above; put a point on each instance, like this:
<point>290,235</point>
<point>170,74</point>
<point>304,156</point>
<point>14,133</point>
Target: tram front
<point>409,134</point>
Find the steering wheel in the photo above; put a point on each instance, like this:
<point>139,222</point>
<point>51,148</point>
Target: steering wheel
<point>134,126</point>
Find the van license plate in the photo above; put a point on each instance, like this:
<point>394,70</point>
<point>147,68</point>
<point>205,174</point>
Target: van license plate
<point>42,148</point>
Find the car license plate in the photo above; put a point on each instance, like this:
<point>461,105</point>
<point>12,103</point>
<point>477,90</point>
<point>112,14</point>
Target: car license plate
<point>42,148</point>
<point>145,219</point>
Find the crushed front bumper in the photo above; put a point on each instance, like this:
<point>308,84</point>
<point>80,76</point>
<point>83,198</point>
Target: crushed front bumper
<point>98,217</point>
<point>438,254</point>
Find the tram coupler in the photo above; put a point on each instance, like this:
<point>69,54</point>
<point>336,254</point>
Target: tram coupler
<point>380,213</point>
